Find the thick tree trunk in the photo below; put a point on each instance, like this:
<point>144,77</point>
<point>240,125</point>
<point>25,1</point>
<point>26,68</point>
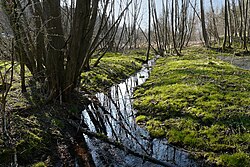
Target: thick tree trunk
<point>40,40</point>
<point>81,37</point>
<point>55,57</point>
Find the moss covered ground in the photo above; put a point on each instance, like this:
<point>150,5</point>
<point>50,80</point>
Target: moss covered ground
<point>113,68</point>
<point>38,131</point>
<point>199,103</point>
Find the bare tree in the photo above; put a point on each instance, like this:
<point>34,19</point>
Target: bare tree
<point>245,25</point>
<point>149,29</point>
<point>203,24</point>
<point>216,34</point>
<point>57,52</point>
<point>225,26</point>
<point>173,25</point>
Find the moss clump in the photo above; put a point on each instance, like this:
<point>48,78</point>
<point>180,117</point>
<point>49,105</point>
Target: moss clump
<point>141,118</point>
<point>39,164</point>
<point>156,129</point>
<point>198,102</point>
<point>237,159</point>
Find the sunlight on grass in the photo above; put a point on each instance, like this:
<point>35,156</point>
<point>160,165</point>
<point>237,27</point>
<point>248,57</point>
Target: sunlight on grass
<point>200,103</point>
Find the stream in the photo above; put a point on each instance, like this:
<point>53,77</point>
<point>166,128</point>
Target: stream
<point>241,61</point>
<point>114,117</point>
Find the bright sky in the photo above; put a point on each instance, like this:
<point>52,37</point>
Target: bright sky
<point>144,9</point>
<point>216,3</point>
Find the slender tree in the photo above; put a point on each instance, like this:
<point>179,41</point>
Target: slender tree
<point>203,24</point>
<point>216,34</point>
<point>225,26</point>
<point>149,29</point>
<point>173,25</point>
<point>245,25</point>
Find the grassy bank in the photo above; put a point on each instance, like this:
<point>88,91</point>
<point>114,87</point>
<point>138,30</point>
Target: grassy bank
<point>113,68</point>
<point>39,132</point>
<point>199,103</point>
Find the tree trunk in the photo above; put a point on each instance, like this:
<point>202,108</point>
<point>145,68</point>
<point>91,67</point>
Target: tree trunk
<point>230,25</point>
<point>216,34</point>
<point>81,37</point>
<point>226,26</point>
<point>55,56</point>
<point>203,25</point>
<point>241,19</point>
<point>173,23</point>
<point>149,29</point>
<point>245,26</point>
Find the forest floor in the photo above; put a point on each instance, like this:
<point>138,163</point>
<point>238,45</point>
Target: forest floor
<point>39,133</point>
<point>199,103</point>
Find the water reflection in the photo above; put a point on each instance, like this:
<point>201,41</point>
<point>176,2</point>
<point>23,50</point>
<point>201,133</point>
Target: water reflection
<point>112,115</point>
<point>242,62</point>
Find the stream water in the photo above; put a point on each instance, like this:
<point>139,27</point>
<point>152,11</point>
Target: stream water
<point>115,118</point>
<point>242,61</point>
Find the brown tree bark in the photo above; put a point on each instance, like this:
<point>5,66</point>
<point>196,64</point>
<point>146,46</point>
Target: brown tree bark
<point>55,57</point>
<point>81,37</point>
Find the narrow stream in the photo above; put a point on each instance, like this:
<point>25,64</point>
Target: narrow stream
<point>115,117</point>
<point>242,61</point>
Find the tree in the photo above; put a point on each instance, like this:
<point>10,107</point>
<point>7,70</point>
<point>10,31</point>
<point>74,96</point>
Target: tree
<point>50,52</point>
<point>149,29</point>
<point>245,25</point>
<point>216,34</point>
<point>225,26</point>
<point>203,24</point>
<point>174,24</point>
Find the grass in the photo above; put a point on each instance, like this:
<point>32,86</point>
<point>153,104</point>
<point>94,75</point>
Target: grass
<point>113,68</point>
<point>38,129</point>
<point>200,103</point>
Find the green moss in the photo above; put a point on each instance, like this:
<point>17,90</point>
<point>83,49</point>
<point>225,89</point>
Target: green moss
<point>141,118</point>
<point>39,164</point>
<point>198,102</point>
<point>156,129</point>
<point>237,159</point>
<point>113,68</point>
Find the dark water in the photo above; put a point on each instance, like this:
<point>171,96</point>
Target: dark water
<point>114,116</point>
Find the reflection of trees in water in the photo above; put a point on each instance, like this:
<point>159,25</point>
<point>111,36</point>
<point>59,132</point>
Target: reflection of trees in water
<point>113,117</point>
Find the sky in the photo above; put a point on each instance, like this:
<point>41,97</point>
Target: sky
<point>144,9</point>
<point>216,3</point>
